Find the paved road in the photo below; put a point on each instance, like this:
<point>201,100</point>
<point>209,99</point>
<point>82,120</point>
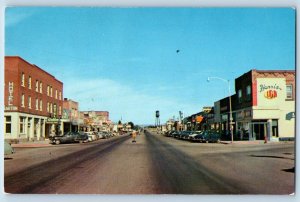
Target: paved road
<point>154,165</point>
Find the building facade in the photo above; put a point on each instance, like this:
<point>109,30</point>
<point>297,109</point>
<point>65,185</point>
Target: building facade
<point>32,100</point>
<point>265,104</point>
<point>71,118</point>
<point>95,120</point>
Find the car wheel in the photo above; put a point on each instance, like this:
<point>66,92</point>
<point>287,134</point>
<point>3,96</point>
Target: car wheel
<point>57,141</point>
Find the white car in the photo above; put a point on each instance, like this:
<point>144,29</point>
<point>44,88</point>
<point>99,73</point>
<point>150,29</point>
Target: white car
<point>8,149</point>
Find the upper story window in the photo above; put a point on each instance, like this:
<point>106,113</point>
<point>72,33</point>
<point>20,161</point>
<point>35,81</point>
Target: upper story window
<point>41,87</point>
<point>29,82</point>
<point>248,92</point>
<point>41,105</point>
<point>29,102</point>
<point>36,104</point>
<point>59,95</point>
<point>48,107</point>
<point>289,92</point>
<point>240,96</point>
<point>51,91</point>
<point>55,94</point>
<point>48,90</point>
<point>37,86</point>
<point>23,79</point>
<point>23,100</point>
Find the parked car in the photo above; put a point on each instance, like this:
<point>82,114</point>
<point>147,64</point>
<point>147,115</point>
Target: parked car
<point>8,149</point>
<point>211,136</point>
<point>184,135</point>
<point>194,134</point>
<point>68,137</point>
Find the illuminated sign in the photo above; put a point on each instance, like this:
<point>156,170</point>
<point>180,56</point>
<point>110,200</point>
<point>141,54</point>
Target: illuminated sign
<point>199,119</point>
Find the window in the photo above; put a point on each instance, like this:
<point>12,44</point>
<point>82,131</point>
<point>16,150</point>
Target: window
<point>48,107</point>
<point>248,92</point>
<point>22,125</point>
<point>29,102</point>
<point>59,95</point>
<point>240,96</point>
<point>23,100</point>
<point>59,110</point>
<point>48,90</point>
<point>54,110</point>
<point>7,124</point>
<point>41,87</point>
<point>289,92</point>
<point>55,94</point>
<point>37,86</point>
<point>36,104</point>
<point>41,105</point>
<point>51,91</point>
<point>23,79</point>
<point>29,82</point>
<point>51,111</point>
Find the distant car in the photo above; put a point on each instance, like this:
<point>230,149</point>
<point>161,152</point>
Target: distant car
<point>8,149</point>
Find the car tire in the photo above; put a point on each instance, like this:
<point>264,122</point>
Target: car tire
<point>57,141</point>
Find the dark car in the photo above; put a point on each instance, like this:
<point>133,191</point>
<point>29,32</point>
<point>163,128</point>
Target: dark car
<point>69,137</point>
<point>211,136</point>
<point>185,134</point>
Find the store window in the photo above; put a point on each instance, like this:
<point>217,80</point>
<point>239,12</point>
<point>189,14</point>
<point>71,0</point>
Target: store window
<point>7,124</point>
<point>23,79</point>
<point>23,100</point>
<point>29,82</point>
<point>289,92</point>
<point>22,125</point>
<point>240,96</point>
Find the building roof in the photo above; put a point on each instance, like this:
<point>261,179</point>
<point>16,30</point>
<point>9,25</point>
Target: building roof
<point>34,66</point>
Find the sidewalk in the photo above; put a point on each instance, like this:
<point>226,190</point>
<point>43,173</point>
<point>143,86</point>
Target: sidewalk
<point>254,142</point>
<point>30,144</point>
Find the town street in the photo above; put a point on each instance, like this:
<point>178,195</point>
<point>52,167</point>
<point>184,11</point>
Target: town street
<point>155,164</point>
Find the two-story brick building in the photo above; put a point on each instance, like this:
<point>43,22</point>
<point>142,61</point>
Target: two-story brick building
<point>263,106</point>
<point>32,99</point>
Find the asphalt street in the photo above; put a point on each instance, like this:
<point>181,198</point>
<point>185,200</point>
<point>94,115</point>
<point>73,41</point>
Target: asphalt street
<point>155,164</point>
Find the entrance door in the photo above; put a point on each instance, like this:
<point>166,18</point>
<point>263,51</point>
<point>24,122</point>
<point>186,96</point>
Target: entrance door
<point>258,130</point>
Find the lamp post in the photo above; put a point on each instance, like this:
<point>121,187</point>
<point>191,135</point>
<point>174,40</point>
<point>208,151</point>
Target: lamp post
<point>230,107</point>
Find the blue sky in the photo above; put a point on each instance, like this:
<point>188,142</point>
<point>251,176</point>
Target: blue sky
<point>124,60</point>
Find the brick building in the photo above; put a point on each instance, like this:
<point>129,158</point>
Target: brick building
<point>33,101</point>
<point>95,120</point>
<point>263,106</point>
<point>71,118</point>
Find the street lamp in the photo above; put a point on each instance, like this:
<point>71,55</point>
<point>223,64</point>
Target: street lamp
<point>230,107</point>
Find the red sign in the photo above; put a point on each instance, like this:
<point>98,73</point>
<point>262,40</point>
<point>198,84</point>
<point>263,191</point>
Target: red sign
<point>270,94</point>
